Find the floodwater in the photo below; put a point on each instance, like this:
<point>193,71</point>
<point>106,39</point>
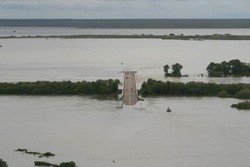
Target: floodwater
<point>199,131</point>
<point>92,59</point>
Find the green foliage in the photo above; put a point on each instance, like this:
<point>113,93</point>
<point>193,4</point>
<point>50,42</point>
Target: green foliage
<point>223,94</point>
<point>242,106</point>
<point>166,68</point>
<point>243,94</point>
<point>99,87</point>
<point>153,87</point>
<point>63,164</point>
<point>176,70</point>
<point>67,164</point>
<point>41,155</point>
<point>231,68</point>
<point>41,163</point>
<point>3,163</point>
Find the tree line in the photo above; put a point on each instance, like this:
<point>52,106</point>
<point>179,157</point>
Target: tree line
<point>99,87</point>
<point>159,88</point>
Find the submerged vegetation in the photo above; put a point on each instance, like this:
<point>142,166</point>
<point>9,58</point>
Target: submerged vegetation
<point>159,88</point>
<point>3,163</point>
<point>143,36</point>
<point>232,68</point>
<point>63,164</point>
<point>242,106</point>
<point>99,87</point>
<point>41,155</point>
<point>176,70</point>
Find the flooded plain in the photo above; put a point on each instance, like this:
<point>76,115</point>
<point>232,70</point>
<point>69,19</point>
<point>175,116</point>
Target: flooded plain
<point>199,131</point>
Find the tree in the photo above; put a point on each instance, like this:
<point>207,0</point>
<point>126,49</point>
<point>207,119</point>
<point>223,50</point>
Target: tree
<point>236,67</point>
<point>176,70</point>
<point>166,68</point>
<point>3,163</point>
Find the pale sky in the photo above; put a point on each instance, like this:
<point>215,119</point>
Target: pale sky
<point>90,9</point>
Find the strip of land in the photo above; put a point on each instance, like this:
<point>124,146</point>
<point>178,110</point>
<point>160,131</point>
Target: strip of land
<point>99,87</point>
<point>111,87</point>
<point>160,88</point>
<point>141,36</point>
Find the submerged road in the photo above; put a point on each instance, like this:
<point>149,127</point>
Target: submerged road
<point>130,96</point>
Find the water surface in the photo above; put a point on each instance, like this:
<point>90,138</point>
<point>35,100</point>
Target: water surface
<point>92,59</point>
<point>94,133</point>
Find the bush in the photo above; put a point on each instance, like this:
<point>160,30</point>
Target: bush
<point>243,94</point>
<point>242,106</point>
<point>3,163</point>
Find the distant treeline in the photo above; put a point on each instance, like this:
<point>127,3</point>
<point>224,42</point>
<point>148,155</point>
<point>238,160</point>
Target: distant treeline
<point>99,87</point>
<point>159,88</point>
<point>128,23</point>
<point>144,36</point>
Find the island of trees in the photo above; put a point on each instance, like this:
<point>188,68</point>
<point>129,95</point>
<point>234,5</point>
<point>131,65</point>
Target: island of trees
<point>234,68</point>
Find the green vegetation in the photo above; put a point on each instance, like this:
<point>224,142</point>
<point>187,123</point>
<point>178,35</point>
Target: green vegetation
<point>3,163</point>
<point>243,94</point>
<point>176,70</point>
<point>231,68</point>
<point>159,88</point>
<point>99,87</point>
<point>144,36</point>
<point>63,164</point>
<point>41,155</point>
<point>242,106</point>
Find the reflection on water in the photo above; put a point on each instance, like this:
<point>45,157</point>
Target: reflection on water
<point>199,131</point>
<point>92,59</point>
